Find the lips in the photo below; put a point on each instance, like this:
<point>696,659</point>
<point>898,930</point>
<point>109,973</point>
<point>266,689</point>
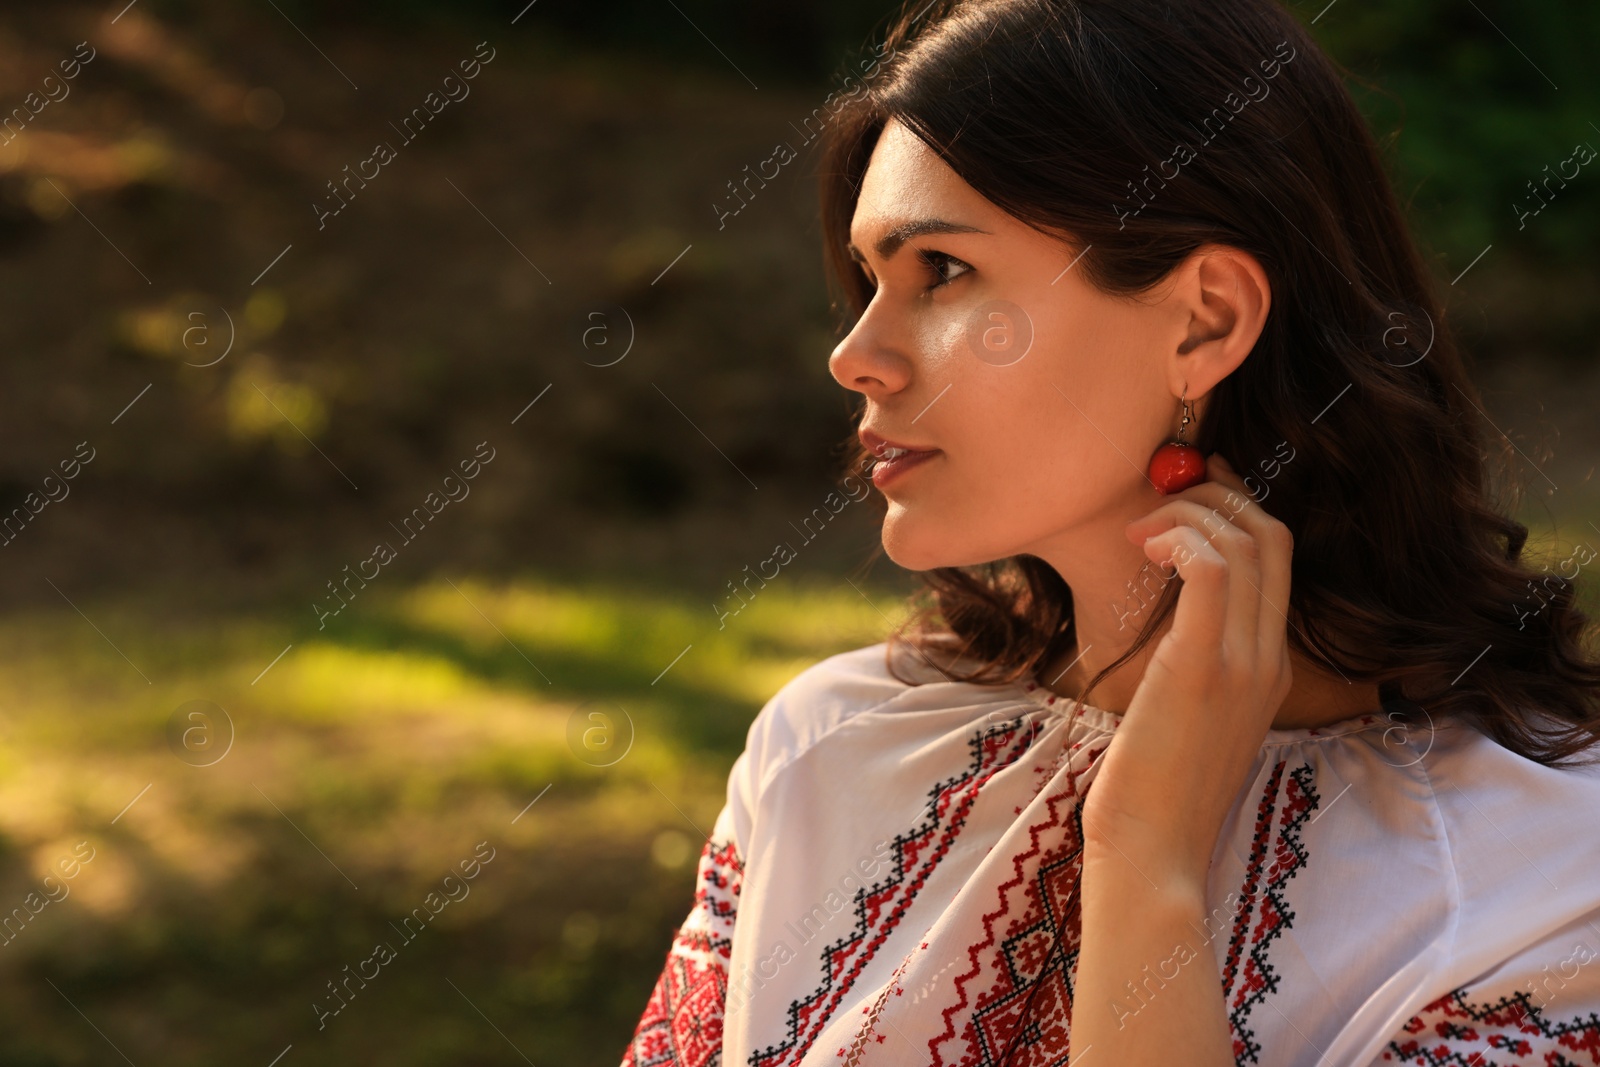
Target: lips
<point>886,449</point>
<point>894,458</point>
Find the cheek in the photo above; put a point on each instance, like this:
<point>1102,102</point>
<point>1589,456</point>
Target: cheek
<point>1035,443</point>
<point>1057,435</point>
<point>941,341</point>
<point>1096,372</point>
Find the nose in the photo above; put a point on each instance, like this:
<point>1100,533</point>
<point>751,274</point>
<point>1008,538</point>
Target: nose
<point>867,361</point>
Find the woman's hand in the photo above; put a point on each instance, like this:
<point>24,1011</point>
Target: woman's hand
<point>1169,776</point>
<point>1213,685</point>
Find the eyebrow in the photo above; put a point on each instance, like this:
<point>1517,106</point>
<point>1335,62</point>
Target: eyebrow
<point>890,242</point>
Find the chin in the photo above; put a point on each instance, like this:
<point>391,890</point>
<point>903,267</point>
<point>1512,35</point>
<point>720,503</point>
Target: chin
<point>921,543</point>
<point>912,544</point>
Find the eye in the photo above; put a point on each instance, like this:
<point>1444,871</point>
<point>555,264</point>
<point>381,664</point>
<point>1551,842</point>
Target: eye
<point>946,268</point>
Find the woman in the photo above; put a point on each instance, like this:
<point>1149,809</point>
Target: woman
<point>1339,819</point>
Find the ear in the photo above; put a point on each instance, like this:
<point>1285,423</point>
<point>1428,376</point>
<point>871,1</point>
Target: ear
<point>1220,298</point>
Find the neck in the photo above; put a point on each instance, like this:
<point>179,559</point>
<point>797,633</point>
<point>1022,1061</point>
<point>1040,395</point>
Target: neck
<point>1114,594</point>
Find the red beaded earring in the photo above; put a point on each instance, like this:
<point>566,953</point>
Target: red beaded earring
<point>1177,464</point>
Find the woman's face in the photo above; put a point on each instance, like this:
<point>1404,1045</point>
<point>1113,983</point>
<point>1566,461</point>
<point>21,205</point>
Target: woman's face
<point>1043,397</point>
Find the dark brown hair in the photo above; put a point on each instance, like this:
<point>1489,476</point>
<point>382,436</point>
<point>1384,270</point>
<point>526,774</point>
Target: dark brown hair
<point>1136,131</point>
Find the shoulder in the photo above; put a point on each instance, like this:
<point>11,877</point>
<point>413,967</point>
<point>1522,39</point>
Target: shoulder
<point>825,697</point>
<point>820,699</point>
<point>1489,793</point>
<point>1462,760</point>
<point>1510,824</point>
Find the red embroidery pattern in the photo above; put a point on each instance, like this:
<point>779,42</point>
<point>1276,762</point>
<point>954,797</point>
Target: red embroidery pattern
<point>682,1023</point>
<point>868,1035</point>
<point>1511,1032</point>
<point>879,908</point>
<point>1247,975</point>
<point>1029,1000</point>
<point>1021,1018</point>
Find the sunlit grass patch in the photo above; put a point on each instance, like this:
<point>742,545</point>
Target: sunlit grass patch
<point>640,634</point>
<point>365,762</point>
<point>326,682</point>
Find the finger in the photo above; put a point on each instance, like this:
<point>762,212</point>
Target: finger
<point>1274,542</point>
<point>1237,548</point>
<point>1198,621</point>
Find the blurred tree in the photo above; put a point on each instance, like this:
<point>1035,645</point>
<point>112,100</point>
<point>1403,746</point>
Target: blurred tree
<point>1481,98</point>
<point>1477,97</point>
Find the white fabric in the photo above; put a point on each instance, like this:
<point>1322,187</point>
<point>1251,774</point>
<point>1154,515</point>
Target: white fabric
<point>893,882</point>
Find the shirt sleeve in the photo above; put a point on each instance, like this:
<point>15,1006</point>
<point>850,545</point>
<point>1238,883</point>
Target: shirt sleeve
<point>689,1011</point>
<point>682,1023</point>
<point>1540,1008</point>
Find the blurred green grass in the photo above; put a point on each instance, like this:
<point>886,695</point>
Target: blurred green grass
<point>418,724</point>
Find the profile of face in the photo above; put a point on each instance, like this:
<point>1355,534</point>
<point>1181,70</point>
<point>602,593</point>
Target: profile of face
<point>1042,397</point>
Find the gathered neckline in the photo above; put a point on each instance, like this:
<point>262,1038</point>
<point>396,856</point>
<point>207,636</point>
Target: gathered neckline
<point>1100,719</point>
